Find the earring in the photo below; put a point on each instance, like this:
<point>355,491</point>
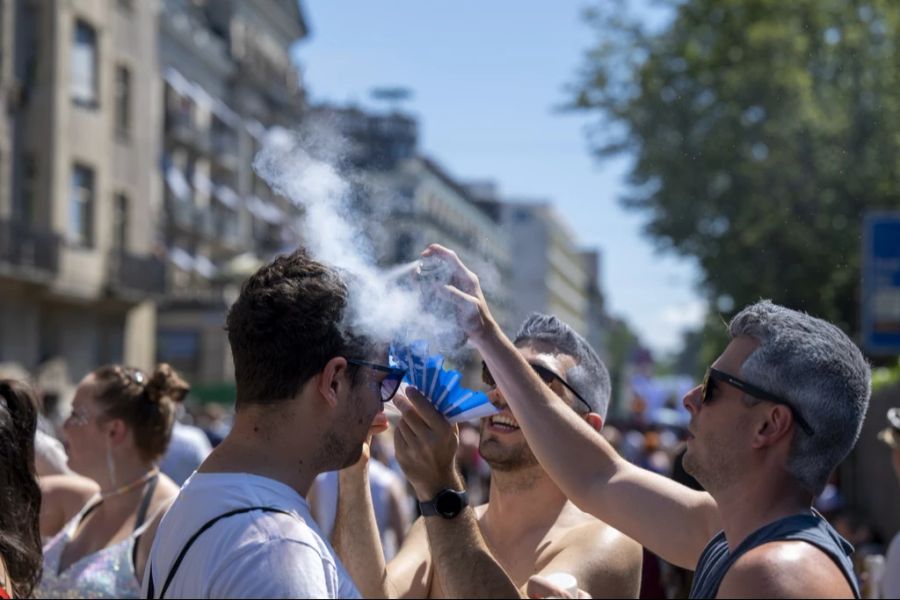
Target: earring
<point>110,464</point>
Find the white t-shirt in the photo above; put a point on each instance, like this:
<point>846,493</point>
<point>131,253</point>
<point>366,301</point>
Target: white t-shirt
<point>250,555</point>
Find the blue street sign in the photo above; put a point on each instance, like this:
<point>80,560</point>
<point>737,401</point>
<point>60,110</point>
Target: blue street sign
<point>881,283</point>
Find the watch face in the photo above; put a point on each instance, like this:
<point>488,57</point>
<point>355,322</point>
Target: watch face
<point>448,504</point>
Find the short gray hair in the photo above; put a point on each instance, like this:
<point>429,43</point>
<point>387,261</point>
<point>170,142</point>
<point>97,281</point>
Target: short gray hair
<point>820,371</point>
<point>589,376</point>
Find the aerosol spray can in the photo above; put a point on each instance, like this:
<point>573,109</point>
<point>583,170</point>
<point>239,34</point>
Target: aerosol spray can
<point>433,273</point>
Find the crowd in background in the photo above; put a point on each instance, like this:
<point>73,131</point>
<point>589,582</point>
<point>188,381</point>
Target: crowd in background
<point>181,436</point>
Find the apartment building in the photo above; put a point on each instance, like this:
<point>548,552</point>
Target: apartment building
<point>79,269</point>
<point>227,77</point>
<point>549,272</point>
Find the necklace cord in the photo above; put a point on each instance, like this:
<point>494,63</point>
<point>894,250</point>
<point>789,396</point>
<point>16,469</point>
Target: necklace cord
<point>130,486</point>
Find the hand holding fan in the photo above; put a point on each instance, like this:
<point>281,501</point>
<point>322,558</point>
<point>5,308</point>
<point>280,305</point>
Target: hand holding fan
<point>441,386</point>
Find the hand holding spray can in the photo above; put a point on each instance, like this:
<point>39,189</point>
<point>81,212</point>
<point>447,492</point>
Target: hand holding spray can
<point>433,274</point>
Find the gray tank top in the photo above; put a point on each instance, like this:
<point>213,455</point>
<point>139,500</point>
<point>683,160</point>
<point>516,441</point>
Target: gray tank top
<point>811,528</point>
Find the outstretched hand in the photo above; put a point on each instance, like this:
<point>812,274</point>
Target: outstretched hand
<point>464,291</point>
<point>425,443</point>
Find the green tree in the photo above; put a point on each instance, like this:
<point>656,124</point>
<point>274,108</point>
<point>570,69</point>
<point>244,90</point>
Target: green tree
<point>761,131</point>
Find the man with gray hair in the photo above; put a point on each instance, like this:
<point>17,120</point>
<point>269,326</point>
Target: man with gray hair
<point>777,412</point>
<point>527,529</point>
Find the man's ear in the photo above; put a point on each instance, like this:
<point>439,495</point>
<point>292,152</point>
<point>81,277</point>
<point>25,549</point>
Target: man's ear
<point>776,425</point>
<point>332,377</point>
<point>594,420</point>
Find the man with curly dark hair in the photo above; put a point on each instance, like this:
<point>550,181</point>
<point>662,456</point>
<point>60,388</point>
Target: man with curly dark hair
<point>308,391</point>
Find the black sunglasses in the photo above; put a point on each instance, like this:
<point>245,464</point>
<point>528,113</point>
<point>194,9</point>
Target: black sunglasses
<point>390,384</point>
<point>714,375</point>
<point>546,375</point>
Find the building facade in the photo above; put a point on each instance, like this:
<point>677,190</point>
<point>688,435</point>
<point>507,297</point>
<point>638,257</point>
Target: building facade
<point>228,77</point>
<point>83,123</point>
<point>410,201</point>
<point>550,274</point>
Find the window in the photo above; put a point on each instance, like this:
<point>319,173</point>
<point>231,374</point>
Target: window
<point>84,80</point>
<point>123,102</point>
<point>178,347</point>
<point>81,207</point>
<point>120,222</point>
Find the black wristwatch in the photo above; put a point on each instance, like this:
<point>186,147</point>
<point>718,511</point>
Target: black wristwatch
<point>447,504</point>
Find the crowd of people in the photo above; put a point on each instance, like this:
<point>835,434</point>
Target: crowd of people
<point>309,490</point>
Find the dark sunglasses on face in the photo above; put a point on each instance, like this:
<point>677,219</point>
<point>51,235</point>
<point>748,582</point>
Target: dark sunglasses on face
<point>546,375</point>
<point>714,375</point>
<point>390,384</point>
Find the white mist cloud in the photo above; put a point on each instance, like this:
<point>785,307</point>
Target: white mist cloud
<point>335,234</point>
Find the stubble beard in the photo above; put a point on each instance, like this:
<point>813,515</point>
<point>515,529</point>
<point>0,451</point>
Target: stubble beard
<point>507,459</point>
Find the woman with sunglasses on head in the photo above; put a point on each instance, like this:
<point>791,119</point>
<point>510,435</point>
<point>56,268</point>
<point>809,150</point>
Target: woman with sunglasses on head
<point>119,428</point>
<point>20,496</point>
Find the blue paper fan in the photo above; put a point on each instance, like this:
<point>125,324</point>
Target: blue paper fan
<point>441,386</point>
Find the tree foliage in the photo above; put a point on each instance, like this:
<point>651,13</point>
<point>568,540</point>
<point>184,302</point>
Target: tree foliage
<point>761,131</point>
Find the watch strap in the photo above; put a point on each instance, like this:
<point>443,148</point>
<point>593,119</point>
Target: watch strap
<point>429,509</point>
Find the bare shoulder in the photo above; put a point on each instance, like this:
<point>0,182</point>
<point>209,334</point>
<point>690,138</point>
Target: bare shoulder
<point>595,535</point>
<point>786,569</point>
<point>62,496</point>
<point>166,490</point>
<point>605,561</point>
<point>69,491</point>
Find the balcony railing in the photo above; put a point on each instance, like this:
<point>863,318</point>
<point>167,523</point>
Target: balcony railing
<point>28,252</point>
<point>181,128</point>
<point>136,276</point>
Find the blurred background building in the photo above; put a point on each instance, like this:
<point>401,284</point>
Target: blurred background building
<point>130,212</point>
<point>82,131</point>
<point>228,76</point>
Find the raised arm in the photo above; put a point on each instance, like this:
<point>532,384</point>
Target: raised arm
<point>672,520</point>
<point>355,536</point>
<point>356,540</point>
<point>426,448</point>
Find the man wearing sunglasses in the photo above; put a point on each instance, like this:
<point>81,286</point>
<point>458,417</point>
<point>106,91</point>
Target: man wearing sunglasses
<point>308,391</point>
<point>780,409</point>
<point>527,529</point>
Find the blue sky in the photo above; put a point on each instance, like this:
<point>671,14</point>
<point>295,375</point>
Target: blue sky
<point>487,78</point>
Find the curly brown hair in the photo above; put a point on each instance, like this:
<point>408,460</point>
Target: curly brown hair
<point>286,325</point>
<point>20,496</point>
